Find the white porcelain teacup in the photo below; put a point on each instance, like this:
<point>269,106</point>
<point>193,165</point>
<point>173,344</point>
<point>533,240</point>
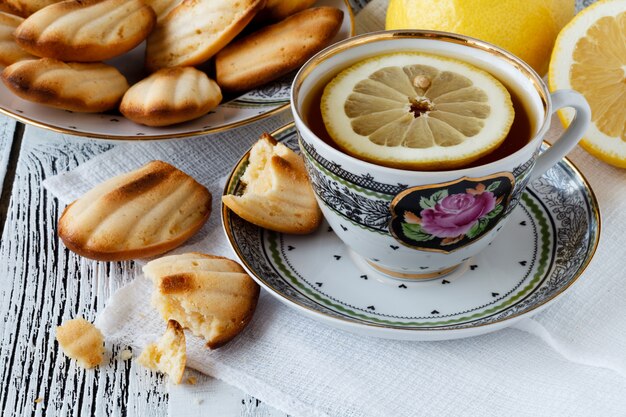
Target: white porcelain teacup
<point>418,224</point>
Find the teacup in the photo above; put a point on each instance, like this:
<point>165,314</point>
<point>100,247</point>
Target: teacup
<point>423,224</point>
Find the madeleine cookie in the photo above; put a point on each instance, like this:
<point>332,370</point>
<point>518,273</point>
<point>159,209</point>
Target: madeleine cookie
<point>276,10</point>
<point>278,195</point>
<point>10,52</point>
<point>81,341</point>
<point>79,87</point>
<point>196,29</point>
<point>277,49</point>
<point>171,95</point>
<point>25,8</point>
<point>209,295</point>
<point>169,354</point>
<point>162,7</point>
<point>86,30</point>
<point>143,213</point>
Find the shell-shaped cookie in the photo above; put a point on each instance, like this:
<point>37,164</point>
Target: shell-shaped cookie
<point>278,195</point>
<point>25,8</point>
<point>171,95</point>
<point>10,52</point>
<point>210,295</point>
<point>143,213</point>
<point>162,7</point>
<point>196,29</point>
<point>275,50</point>
<point>277,10</point>
<point>86,30</point>
<point>80,87</point>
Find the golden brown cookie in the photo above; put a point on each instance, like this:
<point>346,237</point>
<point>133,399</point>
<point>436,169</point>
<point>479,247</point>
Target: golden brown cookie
<point>278,195</point>
<point>169,354</point>
<point>86,30</point>
<point>162,7</point>
<point>24,8</point>
<point>80,87</point>
<point>10,52</point>
<point>277,49</point>
<point>81,341</point>
<point>276,10</point>
<point>169,96</point>
<point>142,213</point>
<point>196,29</point>
<point>210,295</point>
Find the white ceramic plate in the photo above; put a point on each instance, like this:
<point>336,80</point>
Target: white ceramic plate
<point>262,102</point>
<point>544,247</point>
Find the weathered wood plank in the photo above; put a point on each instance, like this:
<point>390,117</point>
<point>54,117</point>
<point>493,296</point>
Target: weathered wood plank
<point>42,284</point>
<point>7,128</point>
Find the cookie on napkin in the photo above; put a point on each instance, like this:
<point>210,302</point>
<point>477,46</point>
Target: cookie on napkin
<point>139,214</point>
<point>278,195</point>
<point>169,354</point>
<point>210,295</point>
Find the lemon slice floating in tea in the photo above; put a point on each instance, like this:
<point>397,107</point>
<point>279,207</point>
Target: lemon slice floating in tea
<point>416,111</point>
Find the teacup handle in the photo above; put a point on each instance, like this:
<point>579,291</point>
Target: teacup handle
<point>571,136</point>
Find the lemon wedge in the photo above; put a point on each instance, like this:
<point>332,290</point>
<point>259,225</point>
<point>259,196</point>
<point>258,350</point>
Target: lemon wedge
<point>416,111</point>
<point>590,57</point>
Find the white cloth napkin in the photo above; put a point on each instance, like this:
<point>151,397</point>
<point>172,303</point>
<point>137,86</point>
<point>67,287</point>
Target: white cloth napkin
<point>568,361</point>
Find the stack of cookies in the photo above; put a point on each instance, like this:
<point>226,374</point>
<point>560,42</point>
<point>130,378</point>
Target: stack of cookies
<point>54,56</point>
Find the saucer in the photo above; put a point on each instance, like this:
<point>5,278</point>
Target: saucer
<point>543,248</point>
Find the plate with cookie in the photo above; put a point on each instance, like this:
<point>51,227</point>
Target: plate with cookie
<point>273,224</point>
<point>157,69</point>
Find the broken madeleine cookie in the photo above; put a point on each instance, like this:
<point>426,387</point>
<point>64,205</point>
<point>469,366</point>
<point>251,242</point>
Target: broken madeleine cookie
<point>81,341</point>
<point>169,354</point>
<point>278,195</point>
<point>210,295</point>
<point>142,213</point>
<point>169,96</point>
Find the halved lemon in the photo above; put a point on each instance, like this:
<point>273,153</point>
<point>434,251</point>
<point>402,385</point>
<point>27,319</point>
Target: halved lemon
<point>416,111</point>
<point>590,57</point>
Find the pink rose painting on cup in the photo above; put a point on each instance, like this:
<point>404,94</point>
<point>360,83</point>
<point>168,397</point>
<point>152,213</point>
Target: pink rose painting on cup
<point>445,217</point>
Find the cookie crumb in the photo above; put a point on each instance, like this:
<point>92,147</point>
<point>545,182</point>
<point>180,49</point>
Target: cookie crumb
<point>125,355</point>
<point>38,400</point>
<point>192,380</point>
<point>81,341</point>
